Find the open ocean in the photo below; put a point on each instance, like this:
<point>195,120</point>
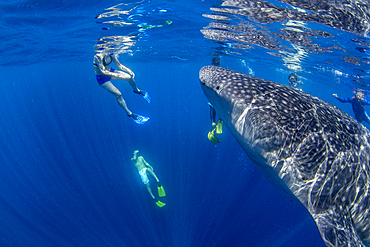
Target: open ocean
<point>66,178</point>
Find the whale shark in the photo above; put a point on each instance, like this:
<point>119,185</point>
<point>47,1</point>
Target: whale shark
<point>313,152</point>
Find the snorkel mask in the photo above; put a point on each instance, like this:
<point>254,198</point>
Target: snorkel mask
<point>134,155</point>
<point>107,59</point>
<point>360,95</point>
<point>293,77</point>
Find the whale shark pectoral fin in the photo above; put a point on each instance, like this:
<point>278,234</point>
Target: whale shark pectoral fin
<point>337,230</point>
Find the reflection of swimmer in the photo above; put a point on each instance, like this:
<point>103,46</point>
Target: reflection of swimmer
<point>144,169</point>
<point>358,106</point>
<point>293,81</point>
<point>104,75</point>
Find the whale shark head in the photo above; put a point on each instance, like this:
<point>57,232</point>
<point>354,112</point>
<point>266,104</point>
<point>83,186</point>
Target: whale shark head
<point>309,149</point>
<point>248,105</point>
<point>255,110</point>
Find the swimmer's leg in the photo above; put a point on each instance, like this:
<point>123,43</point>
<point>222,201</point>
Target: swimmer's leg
<point>153,174</point>
<point>150,190</point>
<point>131,81</point>
<point>113,90</point>
<point>142,93</point>
<point>126,77</point>
<point>133,85</point>
<point>161,191</point>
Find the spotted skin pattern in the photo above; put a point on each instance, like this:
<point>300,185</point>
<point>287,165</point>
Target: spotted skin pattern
<point>314,152</point>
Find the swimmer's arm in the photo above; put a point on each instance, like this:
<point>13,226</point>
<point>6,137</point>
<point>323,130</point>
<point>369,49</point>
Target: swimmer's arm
<point>98,62</point>
<point>343,100</point>
<point>366,102</point>
<point>121,67</point>
<point>147,164</point>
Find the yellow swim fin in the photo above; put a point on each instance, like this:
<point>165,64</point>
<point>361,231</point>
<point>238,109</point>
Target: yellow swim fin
<point>161,191</point>
<point>212,137</point>
<point>219,126</point>
<point>159,203</point>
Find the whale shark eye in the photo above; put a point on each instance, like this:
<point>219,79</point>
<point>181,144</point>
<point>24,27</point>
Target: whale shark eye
<point>218,87</point>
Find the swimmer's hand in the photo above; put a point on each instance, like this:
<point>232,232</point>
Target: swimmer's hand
<point>127,70</point>
<point>123,75</point>
<point>335,95</point>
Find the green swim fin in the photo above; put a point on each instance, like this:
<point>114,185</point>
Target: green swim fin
<point>212,137</point>
<point>161,191</point>
<point>219,126</point>
<point>159,203</point>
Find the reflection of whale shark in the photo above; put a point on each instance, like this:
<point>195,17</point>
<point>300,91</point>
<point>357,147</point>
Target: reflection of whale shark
<point>311,150</point>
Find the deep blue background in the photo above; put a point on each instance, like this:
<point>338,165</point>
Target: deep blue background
<point>67,180</point>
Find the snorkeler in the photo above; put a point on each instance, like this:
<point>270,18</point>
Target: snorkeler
<point>144,169</point>
<point>293,81</point>
<point>216,61</point>
<point>215,126</point>
<point>358,106</point>
<point>104,75</point>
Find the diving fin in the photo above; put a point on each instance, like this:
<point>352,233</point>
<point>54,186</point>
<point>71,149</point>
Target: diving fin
<point>145,95</point>
<point>161,191</point>
<point>159,203</point>
<point>219,126</point>
<point>212,137</point>
<point>138,118</point>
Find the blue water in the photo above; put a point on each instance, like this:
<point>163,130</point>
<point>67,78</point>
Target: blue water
<point>65,145</point>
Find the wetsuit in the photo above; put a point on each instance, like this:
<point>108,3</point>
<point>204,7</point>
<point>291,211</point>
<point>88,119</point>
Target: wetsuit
<point>358,107</point>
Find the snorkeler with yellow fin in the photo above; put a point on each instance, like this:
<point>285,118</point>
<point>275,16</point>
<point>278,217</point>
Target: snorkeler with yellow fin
<point>161,191</point>
<point>144,169</point>
<point>215,126</point>
<point>219,126</point>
